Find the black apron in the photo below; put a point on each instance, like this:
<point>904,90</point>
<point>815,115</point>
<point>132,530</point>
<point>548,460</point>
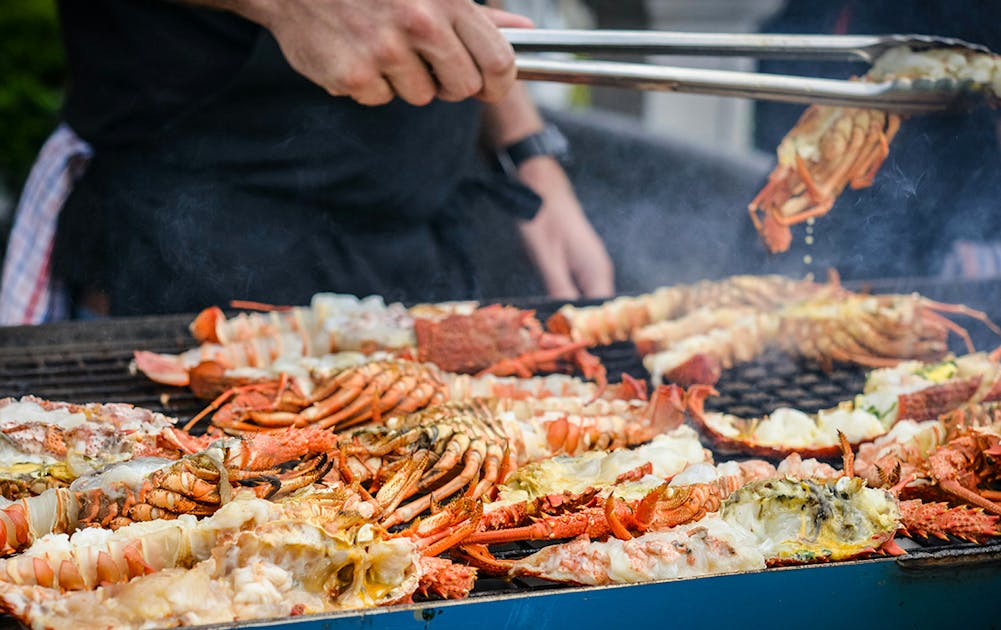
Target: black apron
<point>271,190</point>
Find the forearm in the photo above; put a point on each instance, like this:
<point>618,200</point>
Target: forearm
<point>511,119</point>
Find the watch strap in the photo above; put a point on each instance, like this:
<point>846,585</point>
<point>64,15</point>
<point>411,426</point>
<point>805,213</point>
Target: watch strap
<point>550,141</point>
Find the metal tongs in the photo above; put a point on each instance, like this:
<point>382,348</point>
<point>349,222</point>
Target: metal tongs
<point>904,96</point>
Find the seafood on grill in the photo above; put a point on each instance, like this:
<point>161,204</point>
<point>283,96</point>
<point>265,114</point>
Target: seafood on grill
<point>956,461</point>
<point>701,359</point>
<point>637,500</point>
<point>834,147</point>
<point>368,392</point>
<point>618,319</point>
<point>870,330</point>
<point>379,389</point>
<point>662,458</point>
<point>46,444</point>
<point>480,442</point>
<point>912,390</point>
<point>796,521</point>
<point>457,337</point>
<point>149,488</point>
<point>333,324</point>
<point>598,514</point>
<point>938,519</point>
<point>252,559</point>
<point>766,522</point>
<point>501,340</point>
<point>707,547</point>
<point>210,369</point>
<point>943,471</point>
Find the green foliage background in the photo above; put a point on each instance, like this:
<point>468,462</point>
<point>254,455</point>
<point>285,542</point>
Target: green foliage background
<point>32,72</point>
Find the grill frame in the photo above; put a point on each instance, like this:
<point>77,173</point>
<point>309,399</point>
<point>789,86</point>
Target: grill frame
<point>88,361</point>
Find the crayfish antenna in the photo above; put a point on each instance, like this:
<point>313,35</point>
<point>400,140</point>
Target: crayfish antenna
<point>847,456</point>
<point>617,527</point>
<point>215,404</point>
<point>481,558</point>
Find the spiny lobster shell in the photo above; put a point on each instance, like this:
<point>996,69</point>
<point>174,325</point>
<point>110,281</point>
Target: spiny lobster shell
<point>939,520</point>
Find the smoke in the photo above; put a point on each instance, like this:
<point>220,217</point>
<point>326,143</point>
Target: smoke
<point>668,212</point>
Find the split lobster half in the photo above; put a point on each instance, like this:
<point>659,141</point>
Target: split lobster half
<point>910,391</point>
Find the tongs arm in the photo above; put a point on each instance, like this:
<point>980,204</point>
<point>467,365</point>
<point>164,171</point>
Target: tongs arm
<point>902,96</point>
<point>865,48</point>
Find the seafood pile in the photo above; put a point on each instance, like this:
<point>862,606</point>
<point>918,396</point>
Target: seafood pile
<point>308,520</point>
<point>689,334</point>
<point>834,147</point>
<point>377,464</point>
<point>912,390</point>
<point>49,444</point>
<point>342,330</point>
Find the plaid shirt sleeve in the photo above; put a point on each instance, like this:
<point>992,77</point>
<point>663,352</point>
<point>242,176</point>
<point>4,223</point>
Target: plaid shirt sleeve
<point>28,293</point>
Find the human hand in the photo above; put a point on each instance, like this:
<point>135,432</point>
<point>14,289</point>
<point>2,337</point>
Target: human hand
<point>373,50</point>
<point>561,242</point>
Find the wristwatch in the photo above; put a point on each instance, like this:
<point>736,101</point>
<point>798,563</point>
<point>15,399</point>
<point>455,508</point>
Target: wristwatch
<point>549,141</point>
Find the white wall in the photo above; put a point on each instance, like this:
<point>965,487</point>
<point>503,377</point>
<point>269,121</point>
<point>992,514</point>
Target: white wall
<point>716,122</point>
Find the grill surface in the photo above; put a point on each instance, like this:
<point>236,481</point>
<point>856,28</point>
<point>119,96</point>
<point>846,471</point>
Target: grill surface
<point>89,361</point>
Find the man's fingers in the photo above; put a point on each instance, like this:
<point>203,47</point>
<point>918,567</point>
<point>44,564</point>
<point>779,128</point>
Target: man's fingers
<point>416,49</point>
<point>364,85</point>
<point>436,41</point>
<point>597,279</point>
<point>556,276</point>
<point>491,53</point>
<point>549,259</point>
<point>591,265</point>
<point>457,75</point>
<point>408,76</point>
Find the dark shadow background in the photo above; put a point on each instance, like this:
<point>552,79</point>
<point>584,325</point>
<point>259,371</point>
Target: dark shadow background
<point>670,212</point>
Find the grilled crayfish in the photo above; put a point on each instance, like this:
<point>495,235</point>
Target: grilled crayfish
<point>252,559</point>
<point>870,330</point>
<point>48,444</point>
<point>620,318</point>
<point>500,340</point>
<point>833,147</point>
<point>151,488</point>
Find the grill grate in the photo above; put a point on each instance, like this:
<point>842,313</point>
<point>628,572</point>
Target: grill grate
<point>89,361</point>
